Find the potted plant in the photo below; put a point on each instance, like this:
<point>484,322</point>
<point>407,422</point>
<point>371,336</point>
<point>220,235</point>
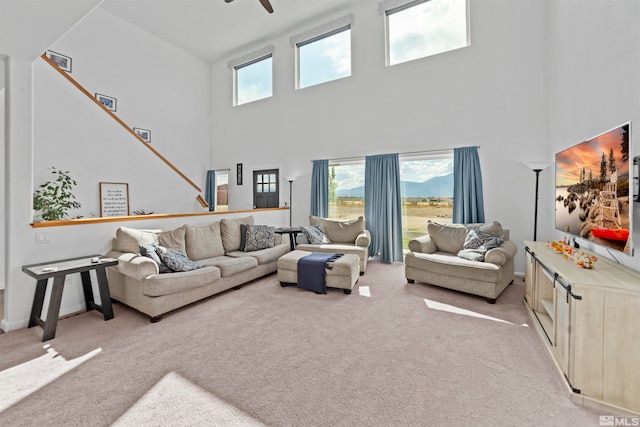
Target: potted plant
<point>53,199</point>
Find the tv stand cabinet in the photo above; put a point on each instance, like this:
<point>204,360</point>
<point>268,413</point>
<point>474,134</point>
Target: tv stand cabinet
<point>589,321</point>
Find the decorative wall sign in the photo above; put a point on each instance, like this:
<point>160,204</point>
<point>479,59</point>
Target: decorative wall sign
<point>62,61</point>
<point>107,101</point>
<point>144,134</point>
<point>114,199</point>
<point>239,173</point>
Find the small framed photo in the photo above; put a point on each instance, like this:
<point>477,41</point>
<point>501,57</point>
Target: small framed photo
<point>143,133</point>
<point>239,173</point>
<point>62,61</point>
<point>107,101</point>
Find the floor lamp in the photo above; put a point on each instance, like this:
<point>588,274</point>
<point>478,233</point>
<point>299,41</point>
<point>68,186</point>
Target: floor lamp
<point>290,200</point>
<point>536,167</point>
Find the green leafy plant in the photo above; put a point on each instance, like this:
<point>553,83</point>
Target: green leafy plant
<point>55,198</point>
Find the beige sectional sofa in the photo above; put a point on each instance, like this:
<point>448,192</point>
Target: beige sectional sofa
<point>436,259</point>
<point>342,236</point>
<point>137,282</point>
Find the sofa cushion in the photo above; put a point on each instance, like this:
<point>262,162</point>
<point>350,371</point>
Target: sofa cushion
<point>230,265</point>
<point>259,237</point>
<point>340,231</point>
<point>149,250</point>
<point>315,234</point>
<point>493,228</point>
<point>176,260</point>
<point>129,239</point>
<point>168,284</point>
<point>203,241</point>
<point>263,256</point>
<point>230,232</point>
<point>447,237</point>
<point>173,239</point>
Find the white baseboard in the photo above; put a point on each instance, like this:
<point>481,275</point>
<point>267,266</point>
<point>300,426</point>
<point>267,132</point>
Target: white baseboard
<point>23,323</point>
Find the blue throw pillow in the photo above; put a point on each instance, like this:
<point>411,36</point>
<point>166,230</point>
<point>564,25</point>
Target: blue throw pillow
<point>149,250</point>
<point>176,260</point>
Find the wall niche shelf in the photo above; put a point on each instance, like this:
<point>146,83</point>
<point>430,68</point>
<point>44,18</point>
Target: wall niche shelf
<point>588,319</point>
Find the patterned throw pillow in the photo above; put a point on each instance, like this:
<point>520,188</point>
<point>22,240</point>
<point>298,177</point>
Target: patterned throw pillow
<point>176,260</point>
<point>315,234</point>
<point>477,243</point>
<point>149,250</point>
<point>259,237</point>
<point>477,239</point>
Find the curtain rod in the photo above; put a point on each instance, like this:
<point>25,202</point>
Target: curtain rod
<point>410,153</point>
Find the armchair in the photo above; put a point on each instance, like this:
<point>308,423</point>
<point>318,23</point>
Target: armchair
<point>448,257</point>
<point>340,236</point>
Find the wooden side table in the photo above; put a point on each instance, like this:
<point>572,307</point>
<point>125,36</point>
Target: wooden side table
<point>58,270</point>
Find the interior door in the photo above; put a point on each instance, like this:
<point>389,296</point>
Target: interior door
<point>266,191</point>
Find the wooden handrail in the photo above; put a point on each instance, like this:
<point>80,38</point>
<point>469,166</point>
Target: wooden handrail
<point>123,124</point>
<point>104,219</point>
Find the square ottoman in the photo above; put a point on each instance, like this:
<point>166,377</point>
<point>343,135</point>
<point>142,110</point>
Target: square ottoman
<point>343,275</point>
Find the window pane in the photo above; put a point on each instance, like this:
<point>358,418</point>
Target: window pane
<point>272,177</point>
<point>272,188</point>
<point>254,81</point>
<point>346,190</point>
<point>222,191</point>
<point>427,194</point>
<point>425,29</point>
<point>325,59</point>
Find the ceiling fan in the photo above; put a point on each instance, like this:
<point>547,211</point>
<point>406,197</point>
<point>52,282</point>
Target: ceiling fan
<point>264,3</point>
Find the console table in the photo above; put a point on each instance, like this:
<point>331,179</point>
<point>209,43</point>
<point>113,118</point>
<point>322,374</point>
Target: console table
<point>58,270</point>
<point>589,321</point>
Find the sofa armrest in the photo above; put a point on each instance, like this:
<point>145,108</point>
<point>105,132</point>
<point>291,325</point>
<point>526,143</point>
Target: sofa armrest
<point>134,265</point>
<point>500,255</point>
<point>423,244</point>
<point>364,239</point>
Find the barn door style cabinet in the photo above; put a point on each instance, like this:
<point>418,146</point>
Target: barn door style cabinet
<point>589,320</point>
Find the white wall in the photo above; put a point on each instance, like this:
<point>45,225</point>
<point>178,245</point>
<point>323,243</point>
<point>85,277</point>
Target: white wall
<point>157,86</point>
<point>491,94</point>
<point>593,83</point>
<point>2,195</point>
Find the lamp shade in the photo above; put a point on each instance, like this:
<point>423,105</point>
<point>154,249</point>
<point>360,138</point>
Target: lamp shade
<point>537,165</point>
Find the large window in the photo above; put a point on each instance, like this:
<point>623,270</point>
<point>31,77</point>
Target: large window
<point>346,189</point>
<point>323,53</point>
<point>427,190</point>
<point>253,80</point>
<point>416,30</point>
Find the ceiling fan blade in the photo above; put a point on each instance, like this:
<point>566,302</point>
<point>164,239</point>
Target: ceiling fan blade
<point>267,5</point>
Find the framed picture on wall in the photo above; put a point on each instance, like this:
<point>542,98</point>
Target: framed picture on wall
<point>114,199</point>
<point>62,61</point>
<point>107,101</point>
<point>143,133</point>
<point>239,173</point>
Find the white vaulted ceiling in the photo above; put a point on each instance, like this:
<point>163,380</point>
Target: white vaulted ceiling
<point>210,29</point>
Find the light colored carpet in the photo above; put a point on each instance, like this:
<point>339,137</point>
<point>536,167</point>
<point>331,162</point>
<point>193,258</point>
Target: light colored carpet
<point>174,401</point>
<point>389,354</point>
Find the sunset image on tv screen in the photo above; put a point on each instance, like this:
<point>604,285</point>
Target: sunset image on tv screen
<point>592,189</point>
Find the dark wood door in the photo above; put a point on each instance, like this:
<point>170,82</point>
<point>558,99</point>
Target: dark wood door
<point>266,191</point>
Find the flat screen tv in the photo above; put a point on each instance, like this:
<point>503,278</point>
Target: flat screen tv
<point>592,190</point>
